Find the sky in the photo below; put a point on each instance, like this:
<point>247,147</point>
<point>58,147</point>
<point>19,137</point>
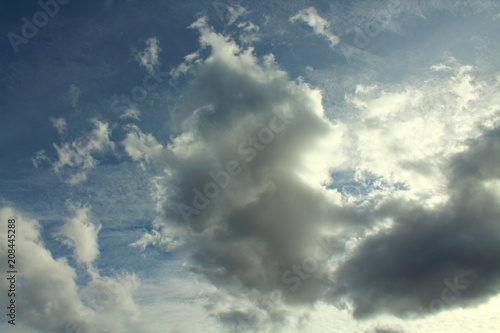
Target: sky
<point>250,166</point>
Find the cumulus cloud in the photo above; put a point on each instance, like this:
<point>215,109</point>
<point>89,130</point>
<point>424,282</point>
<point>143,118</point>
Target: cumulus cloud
<point>320,25</point>
<point>148,58</point>
<point>245,183</point>
<point>76,158</point>
<point>80,233</point>
<point>48,295</point>
<point>244,178</point>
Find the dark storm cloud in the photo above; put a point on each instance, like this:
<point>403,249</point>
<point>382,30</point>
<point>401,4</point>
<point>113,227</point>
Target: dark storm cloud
<point>433,259</point>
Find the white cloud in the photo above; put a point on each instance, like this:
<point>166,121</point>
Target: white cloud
<point>40,157</point>
<point>59,124</point>
<point>406,131</point>
<point>164,240</point>
<point>320,25</point>
<point>48,298</point>
<point>235,12</point>
<point>81,234</point>
<point>132,112</point>
<point>141,147</point>
<point>74,95</point>
<point>77,157</point>
<point>149,57</point>
<point>249,32</point>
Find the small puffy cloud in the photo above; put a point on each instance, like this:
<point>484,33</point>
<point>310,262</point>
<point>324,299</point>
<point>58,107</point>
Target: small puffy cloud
<point>76,158</point>
<point>40,157</point>
<point>320,25</point>
<point>249,32</point>
<point>132,112</point>
<point>59,124</point>
<point>235,12</point>
<point>141,147</point>
<point>162,240</point>
<point>148,58</point>
<point>80,233</point>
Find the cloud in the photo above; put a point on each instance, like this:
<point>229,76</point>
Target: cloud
<point>132,112</point>
<point>76,158</point>
<point>433,259</point>
<point>59,124</point>
<point>80,233</point>
<point>245,184</point>
<point>139,145</point>
<point>249,32</point>
<point>74,95</point>
<point>48,298</point>
<point>320,25</point>
<point>404,132</point>
<point>40,157</point>
<point>235,12</point>
<point>243,179</point>
<point>148,58</point>
<point>43,275</point>
<point>385,330</point>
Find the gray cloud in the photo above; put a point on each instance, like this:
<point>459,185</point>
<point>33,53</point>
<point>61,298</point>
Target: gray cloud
<point>243,185</point>
<point>243,176</point>
<point>433,259</point>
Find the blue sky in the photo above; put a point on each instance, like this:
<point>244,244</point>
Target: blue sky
<point>251,166</point>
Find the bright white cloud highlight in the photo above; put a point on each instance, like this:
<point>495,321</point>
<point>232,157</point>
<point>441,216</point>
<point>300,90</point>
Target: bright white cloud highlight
<point>320,25</point>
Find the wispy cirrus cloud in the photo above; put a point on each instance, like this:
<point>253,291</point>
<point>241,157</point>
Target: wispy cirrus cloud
<point>149,57</point>
<point>77,157</point>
